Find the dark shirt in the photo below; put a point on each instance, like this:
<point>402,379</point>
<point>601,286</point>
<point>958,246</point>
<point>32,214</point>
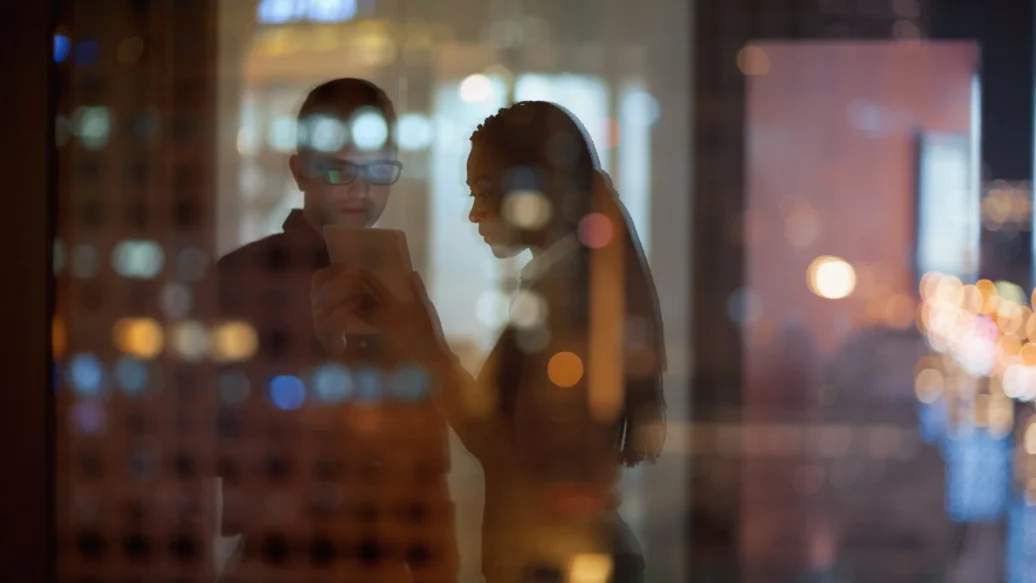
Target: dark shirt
<point>335,463</point>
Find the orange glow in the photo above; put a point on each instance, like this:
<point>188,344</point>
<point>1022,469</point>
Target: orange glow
<point>1028,354</point>
<point>140,337</point>
<point>565,369</point>
<point>234,341</point>
<point>989,295</point>
<point>753,61</point>
<point>1009,317</point>
<point>58,337</point>
<point>973,300</point>
<point>929,283</point>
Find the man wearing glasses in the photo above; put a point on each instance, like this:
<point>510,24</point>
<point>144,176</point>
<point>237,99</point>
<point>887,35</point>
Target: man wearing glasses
<point>332,459</point>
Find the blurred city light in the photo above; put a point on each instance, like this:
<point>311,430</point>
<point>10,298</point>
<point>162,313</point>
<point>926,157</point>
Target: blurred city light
<point>189,339</point>
<point>595,230</point>
<point>332,383</point>
<point>475,88</point>
<point>233,341</point>
<point>233,387</point>
<point>287,392</point>
<point>140,337</point>
<point>138,259</point>
<point>753,60</point>
<point>526,209</point>
<point>369,130</point>
<point>565,369</point>
<point>831,277</point>
<point>414,132</point>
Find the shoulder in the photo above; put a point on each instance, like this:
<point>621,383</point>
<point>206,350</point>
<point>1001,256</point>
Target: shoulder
<point>249,255</point>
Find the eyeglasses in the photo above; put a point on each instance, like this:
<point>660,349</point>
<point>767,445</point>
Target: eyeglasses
<point>340,172</point>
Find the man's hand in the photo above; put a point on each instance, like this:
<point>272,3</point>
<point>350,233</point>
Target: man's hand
<point>337,295</point>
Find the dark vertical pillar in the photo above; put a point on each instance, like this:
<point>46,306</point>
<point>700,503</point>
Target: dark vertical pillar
<point>25,426</point>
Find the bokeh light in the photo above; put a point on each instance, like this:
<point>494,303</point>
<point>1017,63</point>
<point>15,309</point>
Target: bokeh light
<point>565,369</point>
<point>532,340</point>
<point>86,375</point>
<point>831,277</point>
<point>190,340</point>
<point>409,383</point>
<point>58,337</point>
<point>282,135</point>
<point>233,341</point>
<point>414,132</point>
<point>367,389</point>
<point>528,309</point>
<point>140,337</point>
<point>92,125</point>
<point>753,61</point>
<point>325,134</point>
<point>138,259</point>
<point>131,374</point>
<point>369,130</point>
<point>595,230</point>
<point>527,209</point>
<point>928,385</point>
<point>87,418</point>
<point>287,392</point>
<point>332,383</point>
<point>591,568</point>
<point>475,88</point>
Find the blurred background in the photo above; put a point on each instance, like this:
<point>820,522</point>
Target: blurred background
<point>835,197</point>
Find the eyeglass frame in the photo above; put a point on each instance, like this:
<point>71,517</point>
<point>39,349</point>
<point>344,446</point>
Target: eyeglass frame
<point>319,169</point>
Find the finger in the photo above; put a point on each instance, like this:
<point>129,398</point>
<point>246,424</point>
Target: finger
<point>329,274</point>
<point>337,290</point>
<point>377,289</point>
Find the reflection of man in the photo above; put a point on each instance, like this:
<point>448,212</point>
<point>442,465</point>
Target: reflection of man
<point>332,458</point>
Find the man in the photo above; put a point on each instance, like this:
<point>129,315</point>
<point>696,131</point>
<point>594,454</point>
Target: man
<point>336,461</point>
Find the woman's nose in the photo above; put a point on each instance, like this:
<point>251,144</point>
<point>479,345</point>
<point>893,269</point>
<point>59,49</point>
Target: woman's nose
<point>474,215</point>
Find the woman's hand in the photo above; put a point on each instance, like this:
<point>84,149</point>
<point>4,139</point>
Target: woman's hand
<point>413,326</point>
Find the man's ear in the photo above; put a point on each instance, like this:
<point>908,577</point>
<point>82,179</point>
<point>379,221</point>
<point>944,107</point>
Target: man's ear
<point>295,163</point>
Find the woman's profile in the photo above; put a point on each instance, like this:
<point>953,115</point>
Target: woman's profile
<point>572,390</point>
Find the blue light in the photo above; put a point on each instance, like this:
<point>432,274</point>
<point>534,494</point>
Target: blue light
<point>932,421</point>
<point>131,375</point>
<point>978,476</point>
<point>367,385</point>
<point>86,53</point>
<point>86,375</point>
<point>409,383</point>
<point>332,10</point>
<point>287,392</point>
<point>1021,541</point>
<point>275,11</point>
<point>332,383</point>
<point>62,45</point>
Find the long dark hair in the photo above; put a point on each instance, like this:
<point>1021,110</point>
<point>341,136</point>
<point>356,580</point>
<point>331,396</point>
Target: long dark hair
<point>552,152</point>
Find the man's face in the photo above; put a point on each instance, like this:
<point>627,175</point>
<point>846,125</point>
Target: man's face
<point>349,188</point>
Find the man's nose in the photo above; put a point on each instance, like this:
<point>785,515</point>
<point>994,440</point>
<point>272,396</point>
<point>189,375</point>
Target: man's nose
<point>474,215</point>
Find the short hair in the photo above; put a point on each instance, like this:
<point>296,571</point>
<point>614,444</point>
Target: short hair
<point>341,99</point>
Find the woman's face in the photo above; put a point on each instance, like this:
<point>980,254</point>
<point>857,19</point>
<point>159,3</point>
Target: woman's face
<point>485,174</point>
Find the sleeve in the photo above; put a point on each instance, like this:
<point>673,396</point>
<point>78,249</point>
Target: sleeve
<point>471,406</point>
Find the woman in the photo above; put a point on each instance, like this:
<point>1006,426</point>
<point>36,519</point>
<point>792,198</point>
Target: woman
<point>572,390</point>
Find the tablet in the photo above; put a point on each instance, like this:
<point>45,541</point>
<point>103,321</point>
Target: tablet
<point>383,252</point>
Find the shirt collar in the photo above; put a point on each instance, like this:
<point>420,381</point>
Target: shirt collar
<point>544,260</point>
